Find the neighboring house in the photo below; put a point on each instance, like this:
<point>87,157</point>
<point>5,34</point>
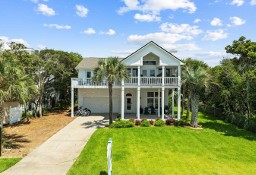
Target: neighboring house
<point>154,73</point>
<point>11,112</point>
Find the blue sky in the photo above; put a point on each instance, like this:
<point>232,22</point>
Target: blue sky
<point>101,28</point>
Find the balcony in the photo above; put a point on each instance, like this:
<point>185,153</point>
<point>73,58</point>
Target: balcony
<point>132,81</point>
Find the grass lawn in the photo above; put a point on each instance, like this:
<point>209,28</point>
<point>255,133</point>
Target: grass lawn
<point>219,148</point>
<point>6,163</point>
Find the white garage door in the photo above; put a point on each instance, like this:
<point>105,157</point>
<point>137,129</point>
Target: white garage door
<point>100,104</point>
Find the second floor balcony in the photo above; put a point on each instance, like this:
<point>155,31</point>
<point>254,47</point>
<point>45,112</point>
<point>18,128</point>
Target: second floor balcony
<point>132,81</point>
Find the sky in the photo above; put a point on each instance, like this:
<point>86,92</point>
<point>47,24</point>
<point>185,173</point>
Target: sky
<point>197,29</point>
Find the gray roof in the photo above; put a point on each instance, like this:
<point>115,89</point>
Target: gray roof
<point>89,63</point>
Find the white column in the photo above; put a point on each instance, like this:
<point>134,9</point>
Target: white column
<point>138,75</point>
<point>162,102</point>
<point>173,102</point>
<point>179,100</point>
<point>158,108</point>
<point>122,103</point>
<point>138,103</point>
<point>163,75</point>
<point>179,76</point>
<point>72,102</point>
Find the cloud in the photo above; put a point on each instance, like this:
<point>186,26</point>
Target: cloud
<point>197,21</point>
<point>81,11</point>
<point>184,29</point>
<point>157,5</point>
<point>237,21</point>
<point>41,47</point>
<point>159,37</point>
<point>109,32</point>
<point>5,40</point>
<point>181,47</point>
<point>45,10</point>
<point>253,2</point>
<point>122,52</point>
<point>216,22</point>
<point>36,1</point>
<point>147,17</point>
<point>237,2</point>
<point>215,35</point>
<point>89,31</point>
<point>57,26</point>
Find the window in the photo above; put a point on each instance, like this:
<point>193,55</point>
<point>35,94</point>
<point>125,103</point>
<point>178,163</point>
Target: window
<point>129,71</point>
<point>152,99</point>
<point>144,73</point>
<point>149,62</point>
<point>152,73</point>
<point>88,75</point>
<point>134,72</point>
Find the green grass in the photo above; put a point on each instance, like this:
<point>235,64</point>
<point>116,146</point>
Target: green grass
<point>219,148</point>
<point>6,163</point>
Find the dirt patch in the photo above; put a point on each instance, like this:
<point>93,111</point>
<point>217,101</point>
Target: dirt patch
<point>23,138</point>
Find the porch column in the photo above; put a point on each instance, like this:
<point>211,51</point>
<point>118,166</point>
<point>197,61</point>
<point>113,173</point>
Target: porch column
<point>138,103</point>
<point>172,102</point>
<point>163,103</point>
<point>163,75</point>
<point>138,75</point>
<point>72,102</point>
<point>158,101</point>
<point>179,76</point>
<point>122,103</point>
<point>179,96</point>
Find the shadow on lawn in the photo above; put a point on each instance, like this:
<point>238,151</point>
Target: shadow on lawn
<point>103,173</point>
<point>227,129</point>
<point>13,141</point>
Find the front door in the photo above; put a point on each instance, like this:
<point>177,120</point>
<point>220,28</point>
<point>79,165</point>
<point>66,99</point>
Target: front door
<point>128,104</point>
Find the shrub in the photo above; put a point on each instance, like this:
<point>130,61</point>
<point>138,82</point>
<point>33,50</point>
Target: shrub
<point>144,123</point>
<point>159,122</point>
<point>151,122</point>
<point>122,124</point>
<point>179,123</point>
<point>118,118</point>
<point>132,120</point>
<point>169,121</point>
<point>137,122</point>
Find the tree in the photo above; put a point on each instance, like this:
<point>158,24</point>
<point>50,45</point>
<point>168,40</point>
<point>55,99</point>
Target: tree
<point>196,78</point>
<point>112,70</point>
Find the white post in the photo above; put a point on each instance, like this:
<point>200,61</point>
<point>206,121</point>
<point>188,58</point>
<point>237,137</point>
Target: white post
<point>163,75</point>
<point>122,103</point>
<point>138,103</point>
<point>72,102</point>
<point>163,103</point>
<point>179,96</point>
<point>138,75</point>
<point>172,102</point>
<point>179,76</point>
<point>158,107</point>
<point>109,156</point>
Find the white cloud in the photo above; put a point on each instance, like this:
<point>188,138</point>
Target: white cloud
<point>45,10</point>
<point>81,11</point>
<point>237,2</point>
<point>160,37</point>
<point>89,31</point>
<point>147,17</point>
<point>110,32</point>
<point>237,21</point>
<point>181,47</point>
<point>253,2</point>
<point>157,5</point>
<point>215,35</point>
<point>184,29</point>
<point>37,1</point>
<point>5,40</point>
<point>216,22</point>
<point>57,26</point>
<point>41,47</point>
<point>197,21</point>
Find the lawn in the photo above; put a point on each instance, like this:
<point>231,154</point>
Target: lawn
<point>219,148</point>
<point>6,163</point>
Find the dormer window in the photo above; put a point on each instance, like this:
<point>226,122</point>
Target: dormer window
<point>149,62</point>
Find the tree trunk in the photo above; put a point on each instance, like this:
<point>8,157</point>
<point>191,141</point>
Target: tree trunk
<point>1,126</point>
<point>248,99</point>
<point>188,107</point>
<point>183,100</point>
<point>194,105</point>
<point>110,103</point>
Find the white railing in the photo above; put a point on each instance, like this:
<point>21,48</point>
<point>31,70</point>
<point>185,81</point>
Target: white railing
<point>132,81</point>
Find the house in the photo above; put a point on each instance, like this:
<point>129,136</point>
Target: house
<point>154,72</point>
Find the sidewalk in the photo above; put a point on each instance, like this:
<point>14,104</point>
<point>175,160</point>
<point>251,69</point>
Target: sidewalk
<point>56,155</point>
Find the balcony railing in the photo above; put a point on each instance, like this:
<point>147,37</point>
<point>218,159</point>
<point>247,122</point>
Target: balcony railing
<point>132,81</point>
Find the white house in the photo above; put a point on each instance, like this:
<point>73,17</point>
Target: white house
<point>154,73</point>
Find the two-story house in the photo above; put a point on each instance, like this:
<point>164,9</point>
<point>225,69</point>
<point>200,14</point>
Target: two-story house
<point>155,74</point>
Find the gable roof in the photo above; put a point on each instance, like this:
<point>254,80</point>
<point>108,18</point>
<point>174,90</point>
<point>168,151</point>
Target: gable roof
<point>152,42</point>
<point>90,63</point>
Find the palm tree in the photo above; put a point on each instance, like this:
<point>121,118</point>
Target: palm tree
<point>196,79</point>
<point>112,70</point>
